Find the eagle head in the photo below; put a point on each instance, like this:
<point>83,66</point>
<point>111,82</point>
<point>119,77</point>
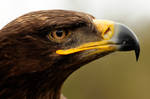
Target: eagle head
<point>39,50</point>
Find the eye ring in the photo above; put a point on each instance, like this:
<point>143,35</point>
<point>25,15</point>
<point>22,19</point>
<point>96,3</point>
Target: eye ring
<point>58,35</point>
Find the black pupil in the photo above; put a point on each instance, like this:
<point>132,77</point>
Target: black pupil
<point>59,33</point>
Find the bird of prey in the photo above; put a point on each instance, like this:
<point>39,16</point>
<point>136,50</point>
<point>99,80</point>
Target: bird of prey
<point>39,50</point>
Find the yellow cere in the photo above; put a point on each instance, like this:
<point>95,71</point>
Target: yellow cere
<point>106,27</point>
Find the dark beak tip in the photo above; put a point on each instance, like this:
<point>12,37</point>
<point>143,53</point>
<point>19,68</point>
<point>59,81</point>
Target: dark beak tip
<point>137,52</point>
<point>137,55</point>
<point>132,42</point>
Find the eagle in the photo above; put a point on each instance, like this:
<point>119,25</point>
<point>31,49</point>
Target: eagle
<point>39,50</point>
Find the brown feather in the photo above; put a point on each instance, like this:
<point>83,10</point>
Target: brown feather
<point>29,66</point>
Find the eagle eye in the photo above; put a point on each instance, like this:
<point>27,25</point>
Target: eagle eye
<point>58,35</point>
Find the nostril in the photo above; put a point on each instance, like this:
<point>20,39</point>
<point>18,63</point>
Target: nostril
<point>107,31</point>
<point>107,34</point>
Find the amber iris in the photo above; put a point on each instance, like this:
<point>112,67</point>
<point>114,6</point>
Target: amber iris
<point>58,34</point>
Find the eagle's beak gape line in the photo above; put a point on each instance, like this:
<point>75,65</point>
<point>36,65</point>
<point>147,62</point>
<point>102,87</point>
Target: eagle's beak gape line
<point>116,37</point>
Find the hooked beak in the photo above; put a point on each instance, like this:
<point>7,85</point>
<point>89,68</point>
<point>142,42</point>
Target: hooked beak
<point>127,39</point>
<point>116,37</point>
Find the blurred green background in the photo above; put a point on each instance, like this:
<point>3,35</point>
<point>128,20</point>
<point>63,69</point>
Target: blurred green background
<point>116,76</point>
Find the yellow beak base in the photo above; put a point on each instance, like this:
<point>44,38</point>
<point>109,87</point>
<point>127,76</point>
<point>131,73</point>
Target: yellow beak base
<point>106,28</point>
